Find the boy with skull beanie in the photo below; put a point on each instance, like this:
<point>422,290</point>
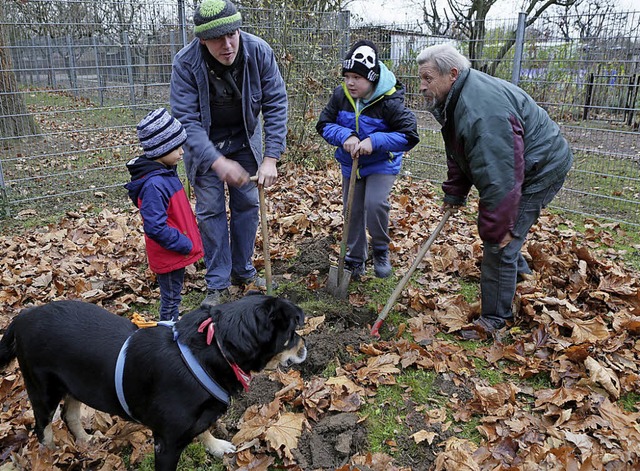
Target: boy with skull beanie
<point>366,118</point>
<point>172,238</point>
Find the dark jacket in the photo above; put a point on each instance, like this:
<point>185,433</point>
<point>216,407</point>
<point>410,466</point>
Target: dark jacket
<point>383,118</point>
<point>499,140</point>
<point>171,233</point>
<point>263,91</point>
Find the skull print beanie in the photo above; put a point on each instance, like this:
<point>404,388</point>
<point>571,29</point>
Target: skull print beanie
<point>362,59</point>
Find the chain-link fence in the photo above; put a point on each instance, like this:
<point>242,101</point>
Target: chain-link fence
<point>76,77</point>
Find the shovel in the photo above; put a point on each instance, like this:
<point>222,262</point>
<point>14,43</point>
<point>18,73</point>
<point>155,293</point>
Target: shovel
<point>265,237</point>
<point>396,292</point>
<point>339,278</point>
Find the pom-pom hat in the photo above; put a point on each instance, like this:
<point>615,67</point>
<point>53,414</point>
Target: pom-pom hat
<point>160,133</point>
<point>215,18</point>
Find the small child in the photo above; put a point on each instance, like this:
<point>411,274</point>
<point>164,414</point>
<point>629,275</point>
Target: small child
<point>366,117</point>
<point>170,230</point>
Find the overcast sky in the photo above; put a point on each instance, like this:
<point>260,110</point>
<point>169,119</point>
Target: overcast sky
<point>404,11</point>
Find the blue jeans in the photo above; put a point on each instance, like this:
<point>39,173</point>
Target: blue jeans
<point>170,294</point>
<point>500,267</point>
<point>228,247</point>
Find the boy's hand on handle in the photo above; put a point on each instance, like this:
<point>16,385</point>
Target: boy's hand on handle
<point>351,146</point>
<point>267,172</point>
<point>230,171</point>
<point>365,147</point>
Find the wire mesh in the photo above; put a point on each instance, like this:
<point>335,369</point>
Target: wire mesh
<point>74,84</point>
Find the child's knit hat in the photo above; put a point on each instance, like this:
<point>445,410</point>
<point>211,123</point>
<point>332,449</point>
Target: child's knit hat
<point>362,59</point>
<point>215,18</point>
<point>160,133</point>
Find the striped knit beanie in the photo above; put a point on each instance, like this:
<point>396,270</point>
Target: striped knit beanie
<point>215,18</point>
<point>160,133</point>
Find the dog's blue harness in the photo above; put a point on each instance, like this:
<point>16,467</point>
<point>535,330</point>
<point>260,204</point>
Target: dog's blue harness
<point>188,357</point>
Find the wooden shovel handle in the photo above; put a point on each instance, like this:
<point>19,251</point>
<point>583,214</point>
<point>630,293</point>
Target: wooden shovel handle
<point>264,224</point>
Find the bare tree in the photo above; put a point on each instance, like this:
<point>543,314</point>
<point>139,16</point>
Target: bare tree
<point>16,121</point>
<point>466,19</point>
<point>304,5</point>
<point>588,20</point>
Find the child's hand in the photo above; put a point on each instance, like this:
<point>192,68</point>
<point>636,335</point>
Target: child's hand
<point>365,147</point>
<point>351,145</point>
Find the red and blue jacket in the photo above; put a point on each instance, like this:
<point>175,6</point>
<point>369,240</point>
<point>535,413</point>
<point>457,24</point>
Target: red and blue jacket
<point>170,229</point>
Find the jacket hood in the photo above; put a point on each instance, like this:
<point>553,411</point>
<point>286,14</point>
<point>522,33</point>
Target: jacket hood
<point>387,81</point>
<point>140,169</point>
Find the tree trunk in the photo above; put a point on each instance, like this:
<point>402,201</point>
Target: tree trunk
<point>16,121</point>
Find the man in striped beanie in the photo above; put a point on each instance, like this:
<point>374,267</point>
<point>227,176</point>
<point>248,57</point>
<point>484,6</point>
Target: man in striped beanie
<point>237,75</point>
<point>171,233</point>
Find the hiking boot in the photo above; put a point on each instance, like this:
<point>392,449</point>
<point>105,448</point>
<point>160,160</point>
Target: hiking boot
<point>356,269</point>
<point>381,264</point>
<point>255,281</point>
<point>215,297</point>
<point>481,328</point>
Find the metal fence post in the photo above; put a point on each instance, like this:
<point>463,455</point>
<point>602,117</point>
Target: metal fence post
<point>73,72</point>
<point>129,58</point>
<point>517,58</point>
<point>182,21</point>
<point>345,26</point>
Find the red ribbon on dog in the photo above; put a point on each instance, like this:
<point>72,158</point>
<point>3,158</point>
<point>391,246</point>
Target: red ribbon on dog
<point>243,378</point>
<point>207,324</point>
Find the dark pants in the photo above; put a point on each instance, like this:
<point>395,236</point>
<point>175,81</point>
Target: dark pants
<point>500,267</point>
<point>170,294</point>
<point>369,211</point>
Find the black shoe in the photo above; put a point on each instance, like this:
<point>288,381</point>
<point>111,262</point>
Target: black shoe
<point>356,269</point>
<point>480,328</point>
<point>381,264</point>
<point>215,297</point>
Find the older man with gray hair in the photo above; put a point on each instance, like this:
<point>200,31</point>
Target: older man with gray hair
<point>500,141</point>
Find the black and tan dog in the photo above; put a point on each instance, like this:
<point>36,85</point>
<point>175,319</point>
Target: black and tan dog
<point>176,380</point>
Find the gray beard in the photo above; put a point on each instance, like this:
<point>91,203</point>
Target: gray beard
<point>432,104</point>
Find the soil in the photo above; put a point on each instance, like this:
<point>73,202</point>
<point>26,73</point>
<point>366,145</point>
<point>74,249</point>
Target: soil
<point>336,438</point>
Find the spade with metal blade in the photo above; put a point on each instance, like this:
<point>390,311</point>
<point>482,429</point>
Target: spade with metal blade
<point>339,277</point>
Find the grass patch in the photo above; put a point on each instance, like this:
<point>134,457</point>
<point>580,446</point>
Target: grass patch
<point>385,417</point>
<point>469,430</point>
<point>470,290</point>
<point>491,373</point>
<point>193,458</point>
<point>630,402</point>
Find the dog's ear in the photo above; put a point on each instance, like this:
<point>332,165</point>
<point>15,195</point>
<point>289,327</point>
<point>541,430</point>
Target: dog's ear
<point>299,316</point>
<point>281,309</point>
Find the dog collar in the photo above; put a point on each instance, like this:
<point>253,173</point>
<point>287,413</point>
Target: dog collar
<point>242,377</point>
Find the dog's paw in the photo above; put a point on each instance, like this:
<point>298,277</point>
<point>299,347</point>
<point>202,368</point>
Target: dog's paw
<point>215,446</point>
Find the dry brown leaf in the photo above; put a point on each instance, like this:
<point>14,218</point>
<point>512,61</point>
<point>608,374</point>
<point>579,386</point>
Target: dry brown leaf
<point>603,376</point>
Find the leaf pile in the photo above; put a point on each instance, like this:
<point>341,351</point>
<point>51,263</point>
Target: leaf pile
<point>577,332</point>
